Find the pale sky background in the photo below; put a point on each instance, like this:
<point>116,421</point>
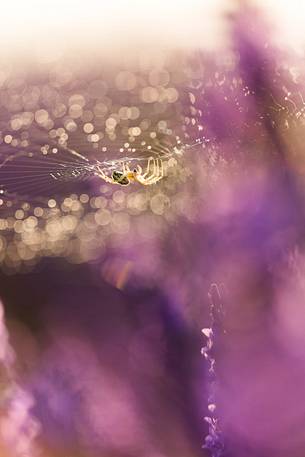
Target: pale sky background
<point>45,26</point>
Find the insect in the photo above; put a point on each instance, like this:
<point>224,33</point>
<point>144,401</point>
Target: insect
<point>154,173</point>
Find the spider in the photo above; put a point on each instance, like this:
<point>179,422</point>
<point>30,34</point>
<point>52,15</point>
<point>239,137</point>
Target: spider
<point>126,176</point>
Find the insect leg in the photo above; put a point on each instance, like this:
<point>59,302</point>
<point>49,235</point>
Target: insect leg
<point>148,167</point>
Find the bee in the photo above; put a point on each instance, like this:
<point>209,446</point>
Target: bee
<point>154,173</point>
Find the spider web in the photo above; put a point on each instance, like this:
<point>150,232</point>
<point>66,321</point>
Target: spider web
<point>32,174</point>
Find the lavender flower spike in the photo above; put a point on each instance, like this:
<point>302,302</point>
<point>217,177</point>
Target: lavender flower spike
<point>214,440</point>
<point>18,428</point>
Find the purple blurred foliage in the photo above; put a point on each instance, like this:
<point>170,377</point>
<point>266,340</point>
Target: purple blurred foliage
<point>117,373</point>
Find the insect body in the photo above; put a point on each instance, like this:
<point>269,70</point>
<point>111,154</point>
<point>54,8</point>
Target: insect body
<point>118,177</point>
<point>154,173</point>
